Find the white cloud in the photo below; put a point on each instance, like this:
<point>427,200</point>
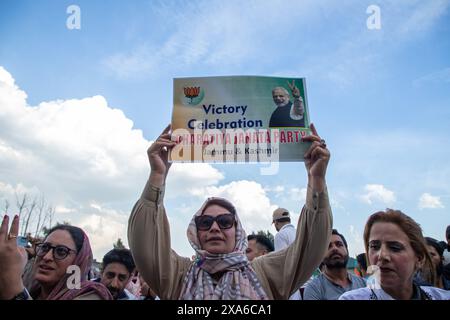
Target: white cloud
<point>83,141</point>
<point>8,191</point>
<point>427,201</point>
<point>96,206</point>
<point>278,191</point>
<point>83,156</point>
<point>356,241</point>
<point>298,194</point>
<point>103,229</point>
<point>336,204</point>
<point>378,193</point>
<point>190,178</point>
<point>249,198</point>
<point>60,209</point>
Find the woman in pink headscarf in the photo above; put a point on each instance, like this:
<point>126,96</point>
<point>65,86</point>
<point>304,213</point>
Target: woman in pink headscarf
<point>65,246</point>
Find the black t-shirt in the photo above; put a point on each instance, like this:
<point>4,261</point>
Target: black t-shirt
<point>281,117</point>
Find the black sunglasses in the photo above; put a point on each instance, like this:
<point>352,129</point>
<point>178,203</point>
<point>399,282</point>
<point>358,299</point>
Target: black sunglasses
<point>224,221</point>
<point>59,252</point>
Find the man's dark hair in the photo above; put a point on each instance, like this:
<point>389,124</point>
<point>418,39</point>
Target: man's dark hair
<point>122,256</point>
<point>262,240</point>
<point>76,233</point>
<point>361,258</point>
<point>435,244</point>
<point>335,232</point>
<point>447,232</point>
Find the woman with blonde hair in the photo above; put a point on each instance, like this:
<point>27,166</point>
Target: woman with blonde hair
<point>397,250</point>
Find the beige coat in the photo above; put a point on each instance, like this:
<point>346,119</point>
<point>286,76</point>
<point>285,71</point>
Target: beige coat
<point>280,273</point>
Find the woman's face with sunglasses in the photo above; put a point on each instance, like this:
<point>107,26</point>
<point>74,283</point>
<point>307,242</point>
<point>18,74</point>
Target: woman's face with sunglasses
<point>216,230</point>
<point>54,256</point>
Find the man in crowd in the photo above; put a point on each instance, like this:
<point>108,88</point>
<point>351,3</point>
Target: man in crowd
<point>285,236</point>
<point>362,264</point>
<point>258,245</point>
<point>446,247</point>
<point>285,230</point>
<point>335,279</point>
<point>118,266</point>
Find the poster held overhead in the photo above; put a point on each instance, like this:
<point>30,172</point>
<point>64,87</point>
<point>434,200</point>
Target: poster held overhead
<point>239,119</point>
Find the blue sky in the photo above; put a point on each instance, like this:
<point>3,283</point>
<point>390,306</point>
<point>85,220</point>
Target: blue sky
<point>97,96</point>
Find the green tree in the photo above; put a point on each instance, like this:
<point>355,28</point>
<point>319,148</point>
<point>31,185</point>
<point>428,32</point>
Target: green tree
<point>46,230</point>
<point>266,234</point>
<point>119,244</point>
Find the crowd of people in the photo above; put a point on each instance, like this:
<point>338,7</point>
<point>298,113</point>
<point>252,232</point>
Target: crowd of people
<point>309,261</point>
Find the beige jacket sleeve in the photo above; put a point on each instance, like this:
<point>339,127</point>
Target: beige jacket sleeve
<point>149,240</point>
<point>281,273</point>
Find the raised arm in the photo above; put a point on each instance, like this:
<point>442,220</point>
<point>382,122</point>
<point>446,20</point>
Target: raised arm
<point>12,260</point>
<point>316,161</point>
<point>148,228</point>
<point>158,156</point>
<point>297,109</point>
<point>284,271</point>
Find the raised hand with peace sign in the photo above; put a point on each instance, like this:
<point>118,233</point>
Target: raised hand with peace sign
<point>12,259</point>
<point>294,89</point>
<point>297,107</point>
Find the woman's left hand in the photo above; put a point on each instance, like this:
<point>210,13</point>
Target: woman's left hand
<point>316,160</point>
<point>12,259</point>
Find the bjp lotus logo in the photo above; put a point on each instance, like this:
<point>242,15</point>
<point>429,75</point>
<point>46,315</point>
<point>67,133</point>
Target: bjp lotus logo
<point>192,95</point>
<point>191,92</point>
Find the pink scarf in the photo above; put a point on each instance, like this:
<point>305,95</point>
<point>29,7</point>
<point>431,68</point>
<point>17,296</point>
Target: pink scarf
<point>239,280</point>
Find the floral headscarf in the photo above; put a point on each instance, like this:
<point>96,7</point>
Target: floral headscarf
<point>239,280</point>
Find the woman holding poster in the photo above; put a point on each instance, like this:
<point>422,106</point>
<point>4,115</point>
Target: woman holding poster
<point>220,269</point>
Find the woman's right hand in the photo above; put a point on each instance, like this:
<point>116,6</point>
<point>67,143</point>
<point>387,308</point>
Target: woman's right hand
<point>158,156</point>
<point>12,260</point>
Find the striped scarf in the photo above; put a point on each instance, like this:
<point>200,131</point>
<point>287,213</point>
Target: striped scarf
<point>238,281</point>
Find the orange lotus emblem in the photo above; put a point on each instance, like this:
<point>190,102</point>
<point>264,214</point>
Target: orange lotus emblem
<point>191,92</point>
